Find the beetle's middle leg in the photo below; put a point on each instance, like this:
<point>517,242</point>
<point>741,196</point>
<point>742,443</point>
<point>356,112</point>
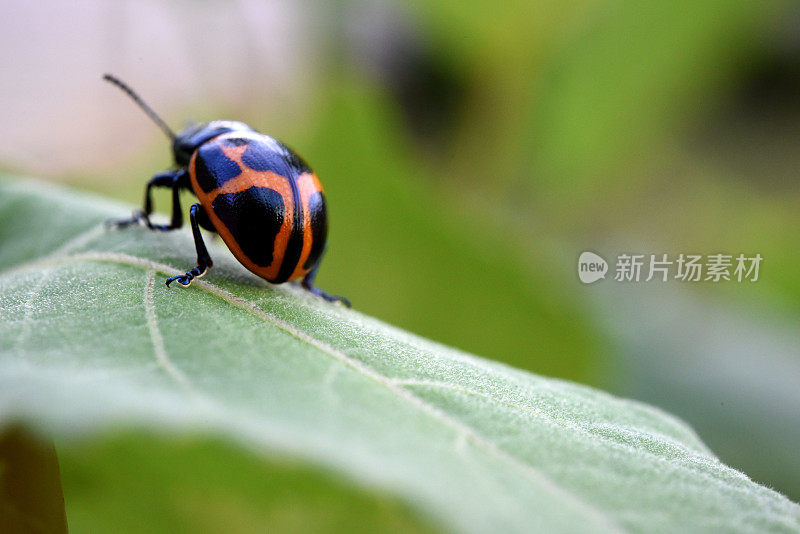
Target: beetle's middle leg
<point>173,179</point>
<point>203,259</point>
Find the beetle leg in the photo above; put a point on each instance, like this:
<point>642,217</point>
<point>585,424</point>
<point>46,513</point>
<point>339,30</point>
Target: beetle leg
<point>173,179</point>
<point>203,259</point>
<point>205,222</point>
<point>179,180</point>
<point>308,283</point>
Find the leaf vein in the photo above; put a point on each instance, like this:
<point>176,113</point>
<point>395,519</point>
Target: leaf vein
<point>157,340</point>
<point>454,424</point>
<point>699,463</point>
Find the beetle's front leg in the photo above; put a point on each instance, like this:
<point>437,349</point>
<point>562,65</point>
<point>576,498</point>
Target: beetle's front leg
<point>203,259</point>
<point>173,179</point>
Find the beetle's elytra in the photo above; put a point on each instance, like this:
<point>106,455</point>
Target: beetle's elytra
<point>262,198</point>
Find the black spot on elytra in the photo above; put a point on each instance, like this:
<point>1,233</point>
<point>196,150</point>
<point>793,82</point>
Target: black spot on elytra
<point>268,154</point>
<point>319,228</point>
<point>213,168</point>
<point>292,255</point>
<point>254,218</point>
<point>297,162</point>
<point>204,221</point>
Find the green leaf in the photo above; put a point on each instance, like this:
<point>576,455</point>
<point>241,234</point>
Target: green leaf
<point>93,340</point>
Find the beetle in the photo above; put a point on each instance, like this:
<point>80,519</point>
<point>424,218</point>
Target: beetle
<point>255,192</point>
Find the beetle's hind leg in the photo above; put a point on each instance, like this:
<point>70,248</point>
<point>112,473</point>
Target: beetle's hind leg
<point>203,259</point>
<point>173,179</point>
<point>308,283</point>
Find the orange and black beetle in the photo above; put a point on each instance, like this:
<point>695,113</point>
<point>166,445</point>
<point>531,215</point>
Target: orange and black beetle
<point>261,197</point>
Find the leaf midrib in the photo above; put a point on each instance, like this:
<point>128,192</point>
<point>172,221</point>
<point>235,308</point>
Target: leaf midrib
<point>464,431</point>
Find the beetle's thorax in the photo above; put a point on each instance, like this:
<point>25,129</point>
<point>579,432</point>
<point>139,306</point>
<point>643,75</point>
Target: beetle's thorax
<point>187,141</point>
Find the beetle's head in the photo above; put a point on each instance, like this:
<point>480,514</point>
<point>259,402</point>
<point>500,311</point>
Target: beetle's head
<point>189,139</point>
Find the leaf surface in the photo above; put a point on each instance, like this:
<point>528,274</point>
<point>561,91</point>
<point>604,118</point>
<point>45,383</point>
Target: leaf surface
<point>93,340</point>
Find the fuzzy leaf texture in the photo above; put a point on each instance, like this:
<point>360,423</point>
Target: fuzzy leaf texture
<point>92,340</point>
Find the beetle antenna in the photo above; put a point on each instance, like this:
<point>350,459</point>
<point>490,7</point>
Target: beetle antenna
<point>147,109</point>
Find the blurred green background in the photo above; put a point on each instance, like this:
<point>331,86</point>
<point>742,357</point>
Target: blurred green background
<point>470,152</point>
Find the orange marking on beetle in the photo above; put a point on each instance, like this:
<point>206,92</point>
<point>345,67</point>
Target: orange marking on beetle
<point>249,178</point>
<point>308,184</point>
<point>233,153</point>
